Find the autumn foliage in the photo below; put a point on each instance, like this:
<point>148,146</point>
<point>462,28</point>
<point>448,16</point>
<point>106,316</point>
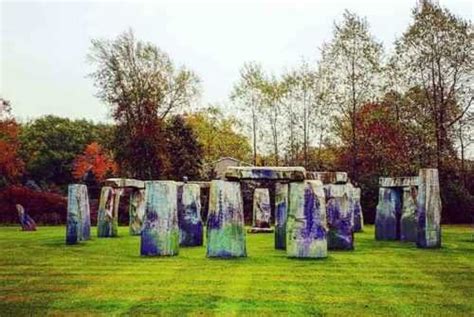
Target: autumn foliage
<point>95,160</point>
<point>11,166</point>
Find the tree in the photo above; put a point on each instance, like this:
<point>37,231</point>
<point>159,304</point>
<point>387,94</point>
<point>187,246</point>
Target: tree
<point>184,149</point>
<point>93,160</point>
<point>218,135</point>
<point>142,86</point>
<point>247,92</point>
<point>436,54</point>
<point>352,63</point>
<point>49,145</point>
<point>11,166</point>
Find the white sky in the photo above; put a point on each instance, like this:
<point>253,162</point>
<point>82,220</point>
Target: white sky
<point>44,44</point>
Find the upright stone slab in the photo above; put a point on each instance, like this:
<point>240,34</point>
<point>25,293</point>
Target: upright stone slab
<point>107,216</point>
<point>429,210</point>
<point>78,214</point>
<point>160,232</point>
<point>281,215</point>
<point>387,216</point>
<point>27,223</point>
<point>189,215</point>
<point>136,211</point>
<point>225,223</point>
<point>357,208</point>
<point>261,213</point>
<point>306,230</point>
<point>408,224</point>
<point>339,216</point>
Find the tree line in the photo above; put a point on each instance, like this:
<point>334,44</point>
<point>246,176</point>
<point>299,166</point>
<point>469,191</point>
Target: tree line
<point>356,109</point>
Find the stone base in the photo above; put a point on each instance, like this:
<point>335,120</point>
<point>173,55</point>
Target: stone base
<point>260,230</point>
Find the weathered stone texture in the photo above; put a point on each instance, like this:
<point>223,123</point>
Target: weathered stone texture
<point>225,223</point>
<point>189,215</point>
<point>281,215</point>
<point>107,215</point>
<point>78,214</point>
<point>27,223</point>
<point>275,173</point>
<point>388,214</point>
<point>306,225</point>
<point>136,211</point>
<point>339,216</point>
<point>160,231</point>
<point>429,210</point>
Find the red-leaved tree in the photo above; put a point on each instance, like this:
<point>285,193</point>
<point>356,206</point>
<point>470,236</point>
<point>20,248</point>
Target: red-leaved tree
<point>11,166</point>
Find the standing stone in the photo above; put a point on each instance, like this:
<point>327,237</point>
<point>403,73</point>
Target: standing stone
<point>306,226</point>
<point>281,215</point>
<point>408,224</point>
<point>107,216</point>
<point>160,232</point>
<point>136,211</point>
<point>339,216</point>
<point>78,214</point>
<point>357,208</point>
<point>387,218</point>
<point>261,211</point>
<point>225,223</point>
<point>189,215</point>
<point>27,223</point>
<point>429,210</point>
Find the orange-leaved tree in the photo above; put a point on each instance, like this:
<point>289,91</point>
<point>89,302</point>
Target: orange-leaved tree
<point>95,160</point>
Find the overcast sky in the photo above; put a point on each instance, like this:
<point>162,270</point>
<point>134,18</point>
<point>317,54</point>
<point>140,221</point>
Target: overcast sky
<point>44,44</point>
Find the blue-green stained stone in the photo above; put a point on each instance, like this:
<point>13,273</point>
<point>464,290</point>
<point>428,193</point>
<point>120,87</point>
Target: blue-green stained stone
<point>78,214</point>
<point>281,215</point>
<point>306,226</point>
<point>136,211</point>
<point>225,223</point>
<point>388,214</point>
<point>429,210</point>
<point>408,224</point>
<point>160,231</point>
<point>107,215</point>
<point>357,209</point>
<point>189,215</point>
<point>340,216</point>
<point>261,215</point>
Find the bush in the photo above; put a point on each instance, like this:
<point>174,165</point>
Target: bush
<point>43,207</point>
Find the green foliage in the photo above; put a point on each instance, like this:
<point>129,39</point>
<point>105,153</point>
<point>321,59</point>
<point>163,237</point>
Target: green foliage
<point>183,149</point>
<point>50,144</point>
<point>43,276</point>
<point>141,85</point>
<point>218,135</point>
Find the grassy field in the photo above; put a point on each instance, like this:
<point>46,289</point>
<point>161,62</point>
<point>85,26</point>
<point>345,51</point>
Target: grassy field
<point>40,275</point>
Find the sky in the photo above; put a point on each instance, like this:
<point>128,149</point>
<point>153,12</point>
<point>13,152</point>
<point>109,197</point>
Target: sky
<point>44,44</point>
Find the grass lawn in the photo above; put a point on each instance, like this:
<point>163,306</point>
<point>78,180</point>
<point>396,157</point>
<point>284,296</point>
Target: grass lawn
<point>40,275</point>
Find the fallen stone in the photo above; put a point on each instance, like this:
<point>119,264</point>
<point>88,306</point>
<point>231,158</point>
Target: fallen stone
<point>225,223</point>
<point>160,231</point>
<point>306,226</point>
<point>27,223</point>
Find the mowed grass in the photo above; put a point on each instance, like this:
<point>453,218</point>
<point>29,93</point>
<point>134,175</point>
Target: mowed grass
<point>40,275</point>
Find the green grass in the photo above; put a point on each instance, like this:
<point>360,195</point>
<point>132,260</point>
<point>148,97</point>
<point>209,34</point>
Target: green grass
<point>40,275</point>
